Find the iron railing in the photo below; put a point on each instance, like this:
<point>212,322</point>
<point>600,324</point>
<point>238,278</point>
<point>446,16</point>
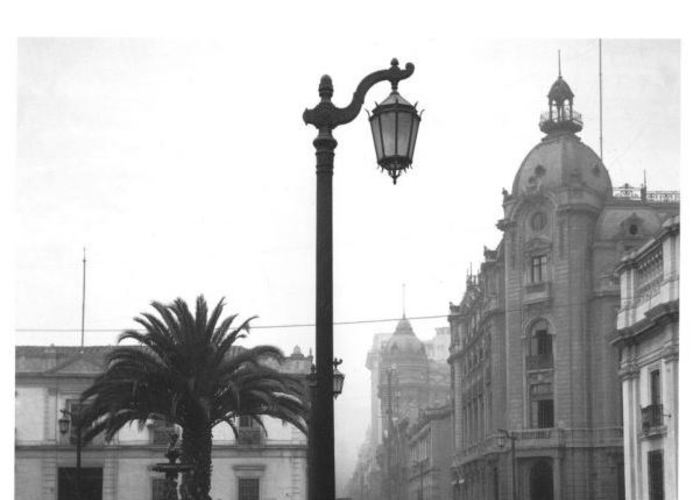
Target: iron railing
<point>652,416</point>
<point>628,192</point>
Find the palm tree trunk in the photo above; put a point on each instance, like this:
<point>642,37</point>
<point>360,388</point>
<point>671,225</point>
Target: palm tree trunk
<point>196,450</point>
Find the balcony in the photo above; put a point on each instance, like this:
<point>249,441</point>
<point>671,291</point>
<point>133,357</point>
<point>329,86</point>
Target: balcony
<point>653,419</point>
<point>537,292</point>
<point>539,362</point>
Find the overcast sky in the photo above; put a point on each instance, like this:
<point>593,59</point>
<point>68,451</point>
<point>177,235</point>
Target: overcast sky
<point>184,167</point>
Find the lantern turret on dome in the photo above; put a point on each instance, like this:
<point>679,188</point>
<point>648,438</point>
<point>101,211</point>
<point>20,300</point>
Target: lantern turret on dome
<point>560,117</point>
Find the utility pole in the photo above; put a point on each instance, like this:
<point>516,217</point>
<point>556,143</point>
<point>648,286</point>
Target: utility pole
<point>82,314</point>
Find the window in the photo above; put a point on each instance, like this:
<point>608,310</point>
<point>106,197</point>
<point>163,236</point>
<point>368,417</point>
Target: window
<point>249,488</point>
<point>542,343</point>
<point>538,269</point>
<point>249,432</point>
<point>545,413</point>
<point>540,355</point>
<point>159,488</point>
<point>656,475</point>
<point>538,221</point>
<point>655,387</point>
<point>541,406</point>
<point>160,432</point>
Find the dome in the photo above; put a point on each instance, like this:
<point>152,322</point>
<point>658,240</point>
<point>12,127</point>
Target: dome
<point>560,91</point>
<point>562,160</point>
<point>404,341</point>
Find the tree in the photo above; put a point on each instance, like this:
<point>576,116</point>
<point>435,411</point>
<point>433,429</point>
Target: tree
<point>187,371</point>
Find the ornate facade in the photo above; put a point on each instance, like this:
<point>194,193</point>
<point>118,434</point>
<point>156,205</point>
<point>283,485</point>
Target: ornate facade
<point>530,353</point>
<point>647,338</point>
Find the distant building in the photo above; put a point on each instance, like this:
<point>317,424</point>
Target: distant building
<point>647,336</point>
<point>256,466</point>
<point>409,383</point>
<point>430,455</point>
<point>530,350</point>
<point>407,376</point>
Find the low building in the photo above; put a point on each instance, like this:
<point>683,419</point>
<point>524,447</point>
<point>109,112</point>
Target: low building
<point>257,466</point>
<point>430,455</point>
<point>647,337</point>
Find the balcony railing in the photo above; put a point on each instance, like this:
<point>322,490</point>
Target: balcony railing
<point>627,192</point>
<point>566,116</point>
<point>652,418</point>
<point>538,361</point>
<point>526,439</point>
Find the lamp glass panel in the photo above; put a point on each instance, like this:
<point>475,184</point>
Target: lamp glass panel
<point>338,379</point>
<point>388,123</point>
<point>404,132</point>
<point>377,137</point>
<point>414,135</point>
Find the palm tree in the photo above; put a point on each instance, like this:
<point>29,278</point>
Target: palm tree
<point>187,371</point>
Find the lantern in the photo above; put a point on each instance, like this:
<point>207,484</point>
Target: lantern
<point>64,422</point>
<point>338,378</point>
<point>394,125</point>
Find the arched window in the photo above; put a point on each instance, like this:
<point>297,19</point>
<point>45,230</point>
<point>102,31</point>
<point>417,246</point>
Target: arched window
<point>541,339</point>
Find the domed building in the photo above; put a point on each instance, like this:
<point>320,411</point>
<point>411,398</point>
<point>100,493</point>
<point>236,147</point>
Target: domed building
<point>407,381</point>
<point>536,394</point>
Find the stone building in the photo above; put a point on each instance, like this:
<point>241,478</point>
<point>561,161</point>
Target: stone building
<point>430,454</point>
<point>647,338</point>
<point>256,466</point>
<point>530,352</point>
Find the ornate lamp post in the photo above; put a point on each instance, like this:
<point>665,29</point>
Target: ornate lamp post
<point>504,434</point>
<point>394,127</point>
<point>63,426</point>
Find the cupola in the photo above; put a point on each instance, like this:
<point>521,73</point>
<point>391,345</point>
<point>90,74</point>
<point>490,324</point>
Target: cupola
<point>560,117</point>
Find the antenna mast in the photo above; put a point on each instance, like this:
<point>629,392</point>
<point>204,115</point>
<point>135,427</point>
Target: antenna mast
<point>82,316</point>
<point>600,91</point>
<point>559,61</point>
<point>403,299</point>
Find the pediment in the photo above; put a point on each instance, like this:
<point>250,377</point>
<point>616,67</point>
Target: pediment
<point>537,244</point>
<point>79,365</point>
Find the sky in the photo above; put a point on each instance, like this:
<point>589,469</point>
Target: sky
<point>169,142</point>
<point>184,168</point>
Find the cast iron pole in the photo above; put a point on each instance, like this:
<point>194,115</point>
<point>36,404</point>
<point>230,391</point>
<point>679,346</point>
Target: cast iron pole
<point>325,117</point>
<point>513,466</point>
<point>78,459</point>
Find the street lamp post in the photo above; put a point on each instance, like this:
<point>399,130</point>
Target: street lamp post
<point>63,425</point>
<point>420,464</point>
<point>501,442</point>
<point>394,127</point>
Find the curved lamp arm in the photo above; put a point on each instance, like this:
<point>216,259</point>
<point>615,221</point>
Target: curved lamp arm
<point>327,115</point>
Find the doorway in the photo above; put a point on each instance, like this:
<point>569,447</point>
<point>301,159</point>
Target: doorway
<point>541,481</point>
<point>90,480</point>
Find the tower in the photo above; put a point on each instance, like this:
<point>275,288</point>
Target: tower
<point>531,345</point>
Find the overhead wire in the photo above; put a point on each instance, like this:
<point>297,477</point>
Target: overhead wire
<point>308,325</point>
